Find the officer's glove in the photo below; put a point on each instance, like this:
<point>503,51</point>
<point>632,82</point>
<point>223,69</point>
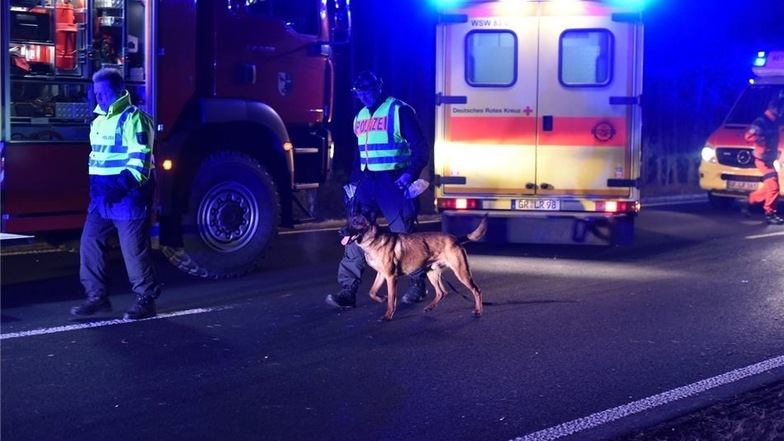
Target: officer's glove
<point>127,181</point>
<point>404,181</point>
<point>118,188</point>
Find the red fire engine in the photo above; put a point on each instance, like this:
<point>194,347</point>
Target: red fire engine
<point>241,92</point>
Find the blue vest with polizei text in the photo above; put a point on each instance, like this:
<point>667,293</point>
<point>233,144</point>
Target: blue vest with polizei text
<point>381,145</point>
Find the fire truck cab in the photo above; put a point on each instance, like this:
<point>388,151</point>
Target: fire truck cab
<point>538,119</point>
<point>727,170</point>
<point>241,92</point>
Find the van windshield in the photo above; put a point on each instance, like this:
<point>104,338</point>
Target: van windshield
<point>752,103</point>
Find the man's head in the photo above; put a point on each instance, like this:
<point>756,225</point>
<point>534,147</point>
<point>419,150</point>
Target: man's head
<point>108,86</point>
<point>776,104</point>
<point>367,88</point>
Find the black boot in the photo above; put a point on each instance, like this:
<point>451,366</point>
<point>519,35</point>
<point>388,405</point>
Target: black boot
<point>93,305</point>
<point>345,298</point>
<point>774,219</point>
<point>417,291</point>
<point>142,309</point>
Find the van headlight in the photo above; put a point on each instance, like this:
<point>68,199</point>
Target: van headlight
<point>709,154</point>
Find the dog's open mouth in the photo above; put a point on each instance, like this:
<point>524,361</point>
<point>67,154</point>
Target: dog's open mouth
<point>348,239</point>
<point>347,236</point>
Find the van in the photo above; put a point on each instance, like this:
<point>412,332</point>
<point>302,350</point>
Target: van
<point>727,170</point>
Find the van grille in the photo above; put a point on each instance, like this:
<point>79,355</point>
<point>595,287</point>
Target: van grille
<point>735,157</point>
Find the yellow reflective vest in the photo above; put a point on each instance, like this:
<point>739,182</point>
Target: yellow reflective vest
<point>381,145</point>
<point>122,138</point>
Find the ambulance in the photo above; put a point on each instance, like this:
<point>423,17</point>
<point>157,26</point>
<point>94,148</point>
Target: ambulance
<point>538,119</point>
<point>727,170</point>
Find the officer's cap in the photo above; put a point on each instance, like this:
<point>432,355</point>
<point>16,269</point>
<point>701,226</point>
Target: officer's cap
<point>366,80</point>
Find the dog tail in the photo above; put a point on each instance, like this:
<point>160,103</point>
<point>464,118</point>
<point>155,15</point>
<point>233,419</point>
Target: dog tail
<point>477,234</point>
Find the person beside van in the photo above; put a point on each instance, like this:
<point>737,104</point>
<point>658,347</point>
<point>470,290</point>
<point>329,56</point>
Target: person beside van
<point>764,134</point>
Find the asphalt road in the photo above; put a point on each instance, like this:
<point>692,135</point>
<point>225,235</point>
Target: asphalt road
<point>576,343</point>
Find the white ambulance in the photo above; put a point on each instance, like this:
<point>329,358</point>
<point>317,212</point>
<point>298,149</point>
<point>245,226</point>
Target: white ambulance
<point>727,170</point>
<point>538,119</point>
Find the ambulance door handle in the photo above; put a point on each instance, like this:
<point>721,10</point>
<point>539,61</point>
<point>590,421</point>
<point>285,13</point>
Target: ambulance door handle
<point>546,186</point>
<point>530,186</point>
<point>547,123</point>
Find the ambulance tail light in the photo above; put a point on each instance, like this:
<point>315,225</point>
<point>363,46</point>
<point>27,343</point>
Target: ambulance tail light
<point>457,204</point>
<point>618,206</point>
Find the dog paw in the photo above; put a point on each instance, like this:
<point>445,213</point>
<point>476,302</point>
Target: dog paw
<point>477,314</point>
<point>429,308</point>
<point>385,319</point>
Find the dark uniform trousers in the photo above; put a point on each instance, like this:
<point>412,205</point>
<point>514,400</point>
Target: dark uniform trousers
<point>130,219</point>
<point>376,192</point>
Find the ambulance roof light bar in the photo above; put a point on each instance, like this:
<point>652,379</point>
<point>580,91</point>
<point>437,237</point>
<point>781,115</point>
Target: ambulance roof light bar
<point>768,64</point>
<point>637,3</point>
<point>443,3</point>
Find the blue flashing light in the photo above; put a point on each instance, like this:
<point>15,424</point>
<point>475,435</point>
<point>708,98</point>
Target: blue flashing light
<point>639,4</point>
<point>761,60</point>
<point>447,3</point>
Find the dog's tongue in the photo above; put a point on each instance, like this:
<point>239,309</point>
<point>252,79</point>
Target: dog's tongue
<point>344,241</point>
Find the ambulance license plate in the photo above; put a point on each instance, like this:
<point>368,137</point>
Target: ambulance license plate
<point>536,204</point>
<point>742,185</point>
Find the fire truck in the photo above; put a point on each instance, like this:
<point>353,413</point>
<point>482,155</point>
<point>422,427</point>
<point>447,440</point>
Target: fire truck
<point>241,92</point>
<point>727,170</point>
<point>538,119</point>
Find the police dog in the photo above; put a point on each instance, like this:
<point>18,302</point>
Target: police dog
<point>396,254</point>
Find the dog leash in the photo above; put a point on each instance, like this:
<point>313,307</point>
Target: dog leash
<point>463,295</point>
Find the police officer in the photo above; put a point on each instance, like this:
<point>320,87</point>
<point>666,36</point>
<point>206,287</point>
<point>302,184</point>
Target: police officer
<point>764,134</point>
<point>121,173</point>
<point>392,152</point>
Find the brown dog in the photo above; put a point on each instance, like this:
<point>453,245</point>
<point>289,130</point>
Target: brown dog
<point>396,254</point>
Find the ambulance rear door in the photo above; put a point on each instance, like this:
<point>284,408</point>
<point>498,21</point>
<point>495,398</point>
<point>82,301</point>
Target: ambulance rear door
<point>589,82</point>
<point>486,96</point>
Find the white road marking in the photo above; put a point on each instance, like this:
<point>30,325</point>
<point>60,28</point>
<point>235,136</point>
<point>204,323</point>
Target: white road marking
<point>763,236</point>
<point>103,323</point>
<point>606,416</point>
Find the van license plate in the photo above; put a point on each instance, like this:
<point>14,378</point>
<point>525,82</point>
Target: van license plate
<point>536,204</point>
<point>742,185</point>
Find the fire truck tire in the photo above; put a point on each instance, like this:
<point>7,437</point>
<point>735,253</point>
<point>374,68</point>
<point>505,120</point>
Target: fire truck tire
<point>233,213</point>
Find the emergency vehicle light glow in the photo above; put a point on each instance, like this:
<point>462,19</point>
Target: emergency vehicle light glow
<point>167,164</point>
<point>457,204</point>
<point>761,59</point>
<point>617,206</point>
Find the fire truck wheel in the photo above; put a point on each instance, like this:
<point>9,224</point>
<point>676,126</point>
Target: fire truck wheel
<point>233,213</point>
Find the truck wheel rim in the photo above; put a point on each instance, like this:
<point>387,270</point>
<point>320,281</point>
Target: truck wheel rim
<point>228,217</point>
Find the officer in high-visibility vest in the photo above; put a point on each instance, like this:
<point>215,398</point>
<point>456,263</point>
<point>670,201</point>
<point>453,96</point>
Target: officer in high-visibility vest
<point>764,134</point>
<point>122,180</point>
<point>392,152</point>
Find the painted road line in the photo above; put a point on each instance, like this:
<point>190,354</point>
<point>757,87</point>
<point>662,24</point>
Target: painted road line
<point>616,413</point>
<point>104,323</point>
<point>763,236</point>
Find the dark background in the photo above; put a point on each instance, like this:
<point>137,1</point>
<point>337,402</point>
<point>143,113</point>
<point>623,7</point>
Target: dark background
<point>698,56</point>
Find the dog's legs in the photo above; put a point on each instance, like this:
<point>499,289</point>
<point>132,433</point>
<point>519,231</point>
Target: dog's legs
<point>377,283</point>
<point>391,298</point>
<point>434,275</point>
<point>459,265</point>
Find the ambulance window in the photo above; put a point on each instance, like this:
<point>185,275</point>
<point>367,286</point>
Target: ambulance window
<point>586,57</point>
<point>491,58</point>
